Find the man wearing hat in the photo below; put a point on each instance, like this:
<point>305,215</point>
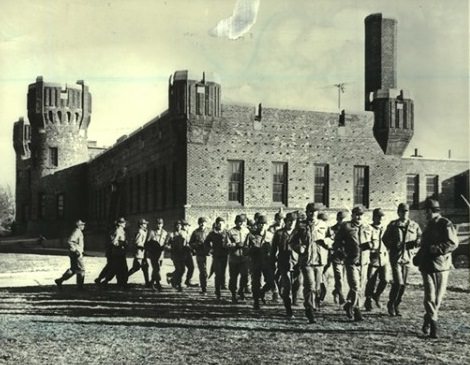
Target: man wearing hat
<point>216,244</point>
<point>76,248</point>
<point>337,259</point>
<point>378,262</point>
<point>140,262</point>
<point>354,239</point>
<point>402,237</point>
<point>177,243</point>
<point>188,256</point>
<point>278,222</point>
<point>237,257</point>
<point>156,243</point>
<point>312,244</point>
<point>260,251</point>
<point>117,262</point>
<point>286,260</point>
<point>196,242</point>
<point>434,260</point>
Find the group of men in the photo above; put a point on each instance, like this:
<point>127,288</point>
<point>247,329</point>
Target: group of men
<point>297,250</point>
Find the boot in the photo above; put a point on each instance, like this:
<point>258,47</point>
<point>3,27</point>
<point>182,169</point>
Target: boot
<point>80,281</point>
<point>391,309</point>
<point>349,310</point>
<point>368,304</point>
<point>433,332</point>
<point>357,315</point>
<point>309,315</point>
<point>322,294</point>
<point>426,324</point>
<point>377,301</point>
<point>341,299</point>
<point>275,297</point>
<point>58,283</point>
<point>256,304</point>
<point>234,299</point>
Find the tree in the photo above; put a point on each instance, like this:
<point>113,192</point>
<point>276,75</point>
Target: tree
<point>7,209</point>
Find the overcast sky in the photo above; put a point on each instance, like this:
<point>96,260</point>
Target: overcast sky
<point>291,57</point>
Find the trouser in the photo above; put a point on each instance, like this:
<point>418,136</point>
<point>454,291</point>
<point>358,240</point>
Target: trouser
<point>77,267</point>
<point>435,285</point>
<point>338,273</point>
<point>269,279</point>
<point>156,263</point>
<point>219,264</point>
<point>105,269</point>
<point>288,287</point>
<point>202,267</point>
<point>238,266</point>
<point>177,276</point>
<point>400,278</point>
<point>374,289</point>
<point>118,268</point>
<point>312,286</point>
<point>353,276</point>
<point>138,264</point>
<point>189,264</point>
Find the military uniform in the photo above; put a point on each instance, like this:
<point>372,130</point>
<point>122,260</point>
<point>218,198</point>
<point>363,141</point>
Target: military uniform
<point>434,261</point>
<point>402,238</point>
<point>354,239</point>
<point>140,261</point>
<point>216,244</point>
<point>377,267</point>
<point>156,243</point>
<point>196,242</point>
<point>178,247</point>
<point>287,266</point>
<point>238,260</point>
<point>118,256</point>
<point>76,248</point>
<point>337,262</point>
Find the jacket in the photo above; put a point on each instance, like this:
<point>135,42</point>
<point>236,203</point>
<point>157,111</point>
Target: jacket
<point>438,241</point>
<point>196,242</point>
<point>178,245</point>
<point>76,242</point>
<point>237,243</point>
<point>216,243</point>
<point>286,258</point>
<point>354,239</point>
<point>402,240</point>
<point>312,244</point>
<point>156,242</point>
<point>260,248</point>
<point>118,241</point>
<point>378,251</point>
<point>140,241</point>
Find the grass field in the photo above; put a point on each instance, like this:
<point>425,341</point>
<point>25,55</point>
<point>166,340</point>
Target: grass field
<point>41,325</point>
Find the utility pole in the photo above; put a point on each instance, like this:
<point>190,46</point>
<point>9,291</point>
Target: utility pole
<point>340,87</point>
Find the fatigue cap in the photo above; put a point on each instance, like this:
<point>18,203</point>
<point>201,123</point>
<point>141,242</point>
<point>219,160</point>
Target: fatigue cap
<point>432,204</point>
<point>341,214</point>
<point>142,221</point>
<point>201,220</point>
<point>314,207</point>
<point>403,207</point>
<point>80,223</point>
<point>257,214</point>
<point>240,218</point>
<point>184,222</point>
<point>219,219</point>
<point>262,219</point>
<point>323,216</point>
<point>358,210</point>
<point>159,220</point>
<point>279,216</point>
<point>378,212</point>
<point>250,222</point>
<point>121,220</point>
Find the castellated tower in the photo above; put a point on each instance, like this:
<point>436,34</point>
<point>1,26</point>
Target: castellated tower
<point>190,95</point>
<point>393,108</point>
<point>59,119</point>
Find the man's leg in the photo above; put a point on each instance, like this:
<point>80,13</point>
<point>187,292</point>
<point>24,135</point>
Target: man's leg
<point>372,274</point>
<point>189,264</point>
<point>382,274</point>
<point>234,270</point>
<point>338,271</point>
<point>256,284</point>
<point>309,292</point>
<point>202,267</point>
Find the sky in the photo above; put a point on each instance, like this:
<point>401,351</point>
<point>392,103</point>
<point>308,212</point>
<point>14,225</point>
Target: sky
<point>290,57</point>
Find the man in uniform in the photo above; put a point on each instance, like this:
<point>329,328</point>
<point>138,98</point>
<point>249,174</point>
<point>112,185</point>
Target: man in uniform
<point>118,263</point>
<point>140,262</point>
<point>260,251</point>
<point>178,246</point>
<point>337,260</point>
<point>378,262</point>
<point>156,243</point>
<point>287,262</point>
<point>312,243</point>
<point>188,257</point>
<point>402,237</point>
<point>216,244</point>
<point>196,242</point>
<point>76,248</point>
<point>278,222</point>
<point>353,238</point>
<point>237,258</point>
<point>434,260</point>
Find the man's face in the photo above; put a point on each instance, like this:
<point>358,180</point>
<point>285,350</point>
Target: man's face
<point>220,225</point>
<point>239,223</point>
<point>377,219</point>
<point>262,226</point>
<point>144,225</point>
<point>159,225</point>
<point>429,214</point>
<point>289,223</point>
<point>357,218</point>
<point>178,227</point>
<point>311,214</point>
<point>122,224</point>
<point>403,214</point>
<point>81,227</point>
<point>202,225</point>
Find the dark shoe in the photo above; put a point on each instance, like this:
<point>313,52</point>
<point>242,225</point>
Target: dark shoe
<point>179,288</point>
<point>349,310</point>
<point>391,309</point>
<point>97,281</point>
<point>241,295</point>
<point>247,290</point>
<point>322,292</point>
<point>256,305</point>
<point>433,332</point>
<point>224,287</point>
<point>203,292</point>
<point>311,320</point>
<point>377,302</point>
<point>58,283</point>
<point>368,304</point>
<point>335,297</point>
<point>275,298</point>
<point>234,299</point>
<point>341,299</point>
<point>358,315</point>
<point>397,311</point>
<point>191,285</point>
<point>426,325</point>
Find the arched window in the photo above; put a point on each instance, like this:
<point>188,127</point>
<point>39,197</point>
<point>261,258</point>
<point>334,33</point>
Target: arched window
<point>59,116</point>
<point>51,116</point>
<point>69,117</point>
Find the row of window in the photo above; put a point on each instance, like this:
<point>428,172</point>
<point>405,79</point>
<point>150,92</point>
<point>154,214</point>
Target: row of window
<point>412,189</point>
<point>59,204</point>
<point>280,179</point>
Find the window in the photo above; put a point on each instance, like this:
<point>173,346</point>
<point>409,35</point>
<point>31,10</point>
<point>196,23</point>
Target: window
<point>412,191</point>
<point>399,115</point>
<point>200,99</point>
<point>163,190</point>
<point>235,181</point>
<point>60,205</point>
<point>53,157</point>
<point>361,185</point>
<point>280,182</point>
<point>41,205</point>
<point>147,191</point>
<point>321,184</point>
<point>432,184</point>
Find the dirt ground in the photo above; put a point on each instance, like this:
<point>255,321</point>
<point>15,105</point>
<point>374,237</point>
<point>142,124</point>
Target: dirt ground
<point>41,325</point>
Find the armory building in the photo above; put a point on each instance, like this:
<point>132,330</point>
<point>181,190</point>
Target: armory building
<point>205,158</point>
